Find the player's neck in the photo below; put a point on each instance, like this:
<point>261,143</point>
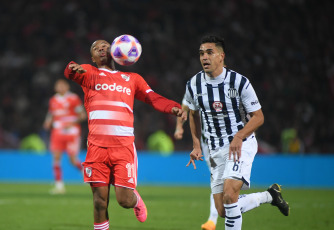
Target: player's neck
<point>109,67</point>
<point>216,73</point>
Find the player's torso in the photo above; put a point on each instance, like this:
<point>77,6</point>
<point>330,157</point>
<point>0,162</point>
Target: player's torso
<point>109,105</point>
<point>221,106</point>
<point>63,112</point>
<point>110,86</point>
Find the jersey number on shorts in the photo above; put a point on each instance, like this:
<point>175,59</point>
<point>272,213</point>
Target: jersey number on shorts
<point>235,166</point>
<point>131,170</point>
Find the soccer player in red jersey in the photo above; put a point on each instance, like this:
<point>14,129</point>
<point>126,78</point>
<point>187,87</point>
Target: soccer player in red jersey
<point>64,116</point>
<point>111,155</point>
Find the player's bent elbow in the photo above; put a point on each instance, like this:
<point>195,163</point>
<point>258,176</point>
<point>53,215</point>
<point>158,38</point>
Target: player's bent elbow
<point>261,121</point>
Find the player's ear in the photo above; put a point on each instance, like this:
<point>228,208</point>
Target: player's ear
<point>93,60</point>
<point>222,56</point>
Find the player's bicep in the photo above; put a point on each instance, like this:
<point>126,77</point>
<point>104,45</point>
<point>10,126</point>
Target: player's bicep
<point>142,89</point>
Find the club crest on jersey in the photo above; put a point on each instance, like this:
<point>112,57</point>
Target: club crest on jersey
<point>232,93</point>
<point>125,77</point>
<point>218,106</point>
<point>88,171</point>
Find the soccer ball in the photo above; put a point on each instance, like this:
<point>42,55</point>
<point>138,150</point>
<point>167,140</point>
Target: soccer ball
<point>125,50</point>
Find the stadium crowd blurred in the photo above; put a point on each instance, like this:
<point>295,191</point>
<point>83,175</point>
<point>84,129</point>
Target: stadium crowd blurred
<point>286,49</point>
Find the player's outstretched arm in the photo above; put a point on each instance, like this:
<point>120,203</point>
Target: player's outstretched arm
<point>76,72</point>
<point>165,105</point>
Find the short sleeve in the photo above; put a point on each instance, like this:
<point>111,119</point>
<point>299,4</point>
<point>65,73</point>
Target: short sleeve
<point>188,98</point>
<point>141,87</point>
<point>249,98</point>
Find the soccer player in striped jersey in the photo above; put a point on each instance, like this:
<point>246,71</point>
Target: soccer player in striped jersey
<point>232,113</point>
<point>64,116</point>
<point>111,155</point>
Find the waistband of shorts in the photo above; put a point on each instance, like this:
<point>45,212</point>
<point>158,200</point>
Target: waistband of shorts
<point>248,138</point>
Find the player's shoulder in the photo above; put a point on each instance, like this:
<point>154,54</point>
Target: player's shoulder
<point>89,67</point>
<point>53,98</point>
<point>72,95</point>
<point>198,76</point>
<point>130,76</point>
<point>238,76</point>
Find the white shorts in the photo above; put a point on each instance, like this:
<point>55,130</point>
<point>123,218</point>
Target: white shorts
<point>222,168</point>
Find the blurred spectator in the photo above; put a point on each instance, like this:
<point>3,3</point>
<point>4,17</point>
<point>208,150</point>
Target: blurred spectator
<point>285,47</point>
<point>291,143</point>
<point>33,142</point>
<point>160,142</point>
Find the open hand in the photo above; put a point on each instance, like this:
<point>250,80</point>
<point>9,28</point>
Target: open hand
<point>196,154</point>
<point>77,68</point>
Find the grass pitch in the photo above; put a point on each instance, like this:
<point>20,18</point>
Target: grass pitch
<point>29,206</point>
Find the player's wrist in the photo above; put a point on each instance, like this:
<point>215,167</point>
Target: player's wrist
<point>238,136</point>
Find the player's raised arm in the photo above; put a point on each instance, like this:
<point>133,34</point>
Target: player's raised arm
<point>145,94</point>
<point>77,68</point>
<point>75,72</point>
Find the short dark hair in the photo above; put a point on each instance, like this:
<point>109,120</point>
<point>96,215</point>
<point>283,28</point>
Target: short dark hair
<point>219,41</point>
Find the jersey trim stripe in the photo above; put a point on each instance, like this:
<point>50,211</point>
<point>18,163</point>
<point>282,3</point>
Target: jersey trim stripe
<point>109,115</point>
<point>214,112</point>
<point>242,83</point>
<point>190,90</point>
<point>114,103</point>
<point>112,130</point>
<point>234,99</point>
<point>200,98</point>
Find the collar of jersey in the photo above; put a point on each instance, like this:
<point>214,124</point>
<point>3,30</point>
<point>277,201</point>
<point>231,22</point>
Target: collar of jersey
<point>107,70</point>
<point>216,80</point>
<point>63,96</point>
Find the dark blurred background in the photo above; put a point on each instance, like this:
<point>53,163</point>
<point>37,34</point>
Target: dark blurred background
<point>285,48</point>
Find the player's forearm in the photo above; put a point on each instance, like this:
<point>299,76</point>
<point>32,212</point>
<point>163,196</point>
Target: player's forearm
<point>179,123</point>
<point>254,123</point>
<point>48,121</point>
<point>82,117</point>
<point>195,128</point>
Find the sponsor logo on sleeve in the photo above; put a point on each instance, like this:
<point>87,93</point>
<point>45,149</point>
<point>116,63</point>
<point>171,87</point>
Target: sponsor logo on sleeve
<point>254,102</point>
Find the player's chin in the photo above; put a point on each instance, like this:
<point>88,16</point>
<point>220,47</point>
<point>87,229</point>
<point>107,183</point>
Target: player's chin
<point>207,69</point>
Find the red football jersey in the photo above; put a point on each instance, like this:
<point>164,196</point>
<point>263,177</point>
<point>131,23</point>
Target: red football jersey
<point>64,110</point>
<point>109,99</point>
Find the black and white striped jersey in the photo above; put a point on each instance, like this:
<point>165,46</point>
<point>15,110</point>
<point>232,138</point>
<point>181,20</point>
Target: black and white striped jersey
<point>225,102</point>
